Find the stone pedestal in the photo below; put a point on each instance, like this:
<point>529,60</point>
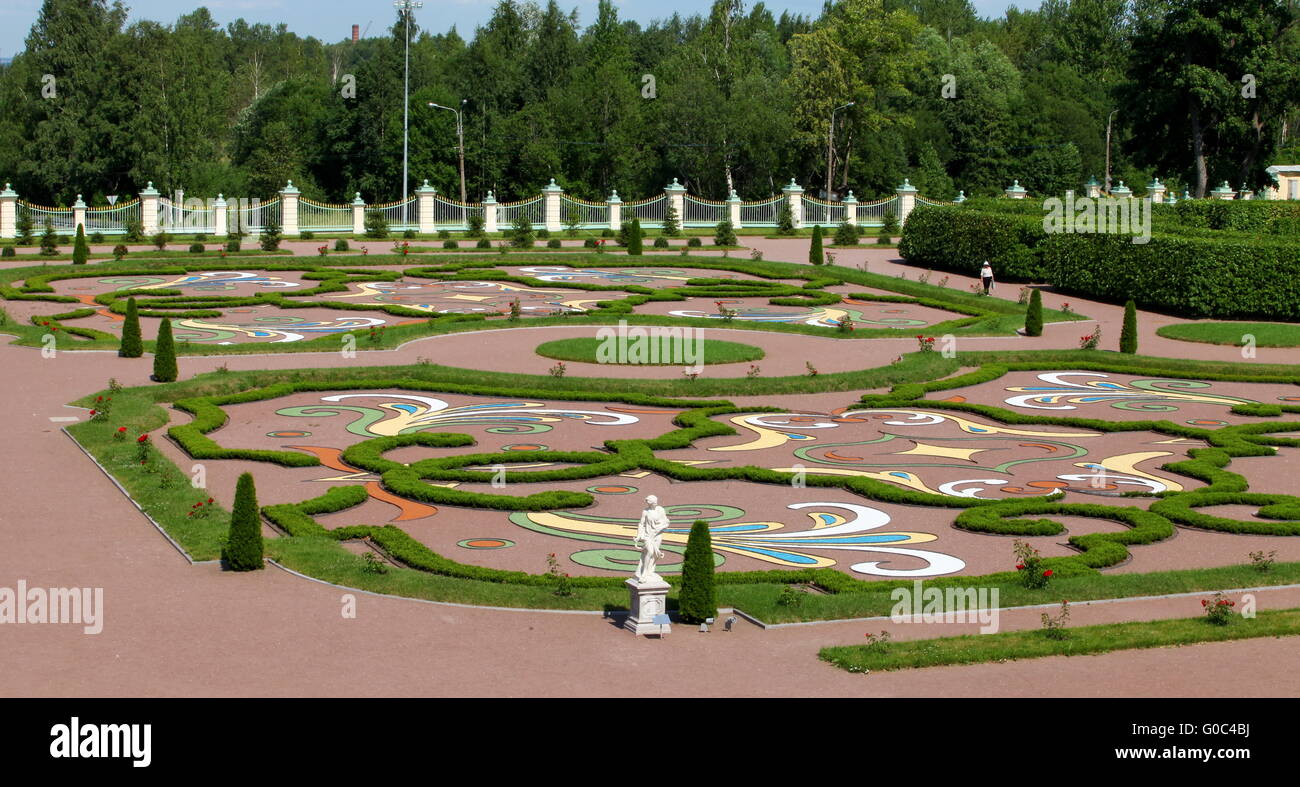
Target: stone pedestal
<point>649,599</point>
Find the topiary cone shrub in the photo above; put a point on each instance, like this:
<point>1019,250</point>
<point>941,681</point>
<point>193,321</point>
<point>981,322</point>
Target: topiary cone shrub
<point>1128,337</point>
<point>635,245</point>
<point>243,549</point>
<point>1034,316</point>
<point>132,345</point>
<point>164,354</point>
<point>815,254</point>
<point>698,601</point>
<point>80,251</point>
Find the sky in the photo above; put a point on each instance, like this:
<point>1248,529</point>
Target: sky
<point>332,20</point>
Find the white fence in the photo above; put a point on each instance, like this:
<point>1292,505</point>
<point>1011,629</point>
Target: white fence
<point>426,212</point>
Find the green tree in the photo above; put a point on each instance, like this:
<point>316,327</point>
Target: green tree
<point>132,345</point>
<point>847,234</point>
<point>725,234</point>
<point>243,548</point>
<point>635,241</point>
<point>1128,337</point>
<point>49,240</point>
<point>24,227</point>
<point>80,251</point>
<point>815,254</point>
<point>697,600</point>
<point>1034,315</point>
<point>164,354</point>
<point>521,232</point>
<point>785,219</point>
<point>671,226</point>
<point>269,240</point>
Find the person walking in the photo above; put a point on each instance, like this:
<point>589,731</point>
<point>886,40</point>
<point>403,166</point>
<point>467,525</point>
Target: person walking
<point>986,277</point>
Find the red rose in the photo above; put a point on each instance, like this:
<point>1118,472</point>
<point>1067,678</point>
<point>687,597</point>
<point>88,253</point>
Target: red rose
<point>1020,566</point>
<point>1204,602</point>
<point>1047,573</point>
<point>142,438</point>
<point>121,428</point>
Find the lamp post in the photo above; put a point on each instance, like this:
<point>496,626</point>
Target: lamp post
<point>830,153</point>
<point>460,142</point>
<point>406,7</point>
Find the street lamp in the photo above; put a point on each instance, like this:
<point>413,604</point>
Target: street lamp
<point>460,141</point>
<point>830,153</point>
<point>406,7</point>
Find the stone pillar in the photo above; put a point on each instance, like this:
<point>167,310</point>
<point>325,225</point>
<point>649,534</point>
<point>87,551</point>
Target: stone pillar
<point>358,215</point>
<point>733,209</point>
<point>424,194</point>
<point>851,209</point>
<point>1245,193</point>
<point>676,194</point>
<point>8,213</point>
<point>961,197</point>
<point>615,210</point>
<point>149,209</point>
<point>1094,188</point>
<point>1156,191</point>
<point>489,213</point>
<point>1121,191</point>
<point>906,201</point>
<point>79,214</point>
<point>1016,191</point>
<point>220,218</point>
<point>551,194</point>
<point>289,210</point>
<point>794,195</point>
<point>1223,192</point>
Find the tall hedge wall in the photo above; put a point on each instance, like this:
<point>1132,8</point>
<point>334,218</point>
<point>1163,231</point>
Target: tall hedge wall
<point>1191,277</point>
<point>960,239</point>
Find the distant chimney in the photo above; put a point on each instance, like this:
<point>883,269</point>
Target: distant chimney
<point>356,33</point>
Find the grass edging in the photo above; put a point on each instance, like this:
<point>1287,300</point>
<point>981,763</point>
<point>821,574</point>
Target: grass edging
<point>1034,643</point>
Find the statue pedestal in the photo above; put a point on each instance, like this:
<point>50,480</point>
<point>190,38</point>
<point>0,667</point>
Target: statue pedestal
<point>649,599</point>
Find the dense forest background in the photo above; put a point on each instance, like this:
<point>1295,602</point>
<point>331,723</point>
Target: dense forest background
<point>1199,91</point>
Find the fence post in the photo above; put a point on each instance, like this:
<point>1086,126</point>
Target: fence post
<point>358,215</point>
<point>8,213</point>
<point>1223,192</point>
<point>676,194</point>
<point>961,197</point>
<point>906,201</point>
<point>149,209</point>
<point>489,213</point>
<point>1093,187</point>
<point>733,209</point>
<point>1121,191</point>
<point>220,218</point>
<point>289,210</point>
<point>794,195</point>
<point>1246,193</point>
<point>79,214</point>
<point>426,218</point>
<point>851,209</point>
<point>615,210</point>
<point>551,194</point>
<point>1156,191</point>
<point>1017,191</point>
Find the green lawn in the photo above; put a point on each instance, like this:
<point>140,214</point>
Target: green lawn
<point>1032,644</point>
<point>1267,334</point>
<point>588,350</point>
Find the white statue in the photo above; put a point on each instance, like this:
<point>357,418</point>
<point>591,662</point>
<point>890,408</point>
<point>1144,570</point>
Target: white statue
<point>649,537</point>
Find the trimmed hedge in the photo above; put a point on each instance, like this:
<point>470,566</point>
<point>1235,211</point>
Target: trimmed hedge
<point>959,239</point>
<point>1190,277</point>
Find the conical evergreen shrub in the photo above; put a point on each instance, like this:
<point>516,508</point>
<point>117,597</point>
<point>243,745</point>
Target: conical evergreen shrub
<point>635,245</point>
<point>243,550</point>
<point>1128,337</point>
<point>132,343</point>
<point>1034,317</point>
<point>80,251</point>
<point>815,255</point>
<point>164,354</point>
<point>698,601</point>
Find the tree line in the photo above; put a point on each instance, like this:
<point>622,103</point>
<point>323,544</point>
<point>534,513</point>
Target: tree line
<point>743,98</point>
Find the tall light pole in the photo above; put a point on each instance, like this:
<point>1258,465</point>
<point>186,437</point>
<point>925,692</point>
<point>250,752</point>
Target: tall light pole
<point>460,141</point>
<point>830,153</point>
<point>406,7</point>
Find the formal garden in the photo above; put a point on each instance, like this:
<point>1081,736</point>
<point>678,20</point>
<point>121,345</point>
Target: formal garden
<point>843,430</point>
